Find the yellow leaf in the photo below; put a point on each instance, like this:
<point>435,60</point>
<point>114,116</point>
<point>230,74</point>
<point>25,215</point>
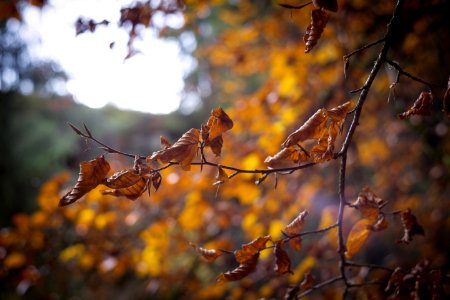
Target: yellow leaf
<point>218,123</point>
<point>357,237</point>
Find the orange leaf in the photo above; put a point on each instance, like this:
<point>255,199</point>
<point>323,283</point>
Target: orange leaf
<point>221,177</point>
<point>307,282</point>
<point>296,243</point>
<point>156,180</point>
<point>338,113</point>
<point>410,226</point>
<point>218,123</point>
<point>421,107</point>
<point>319,20</point>
<point>132,192</point>
<point>357,237</point>
<point>297,224</point>
<point>240,272</point>
<point>312,129</point>
<point>215,145</point>
<point>285,157</point>
<point>122,179</point>
<point>210,255</point>
<point>164,143</point>
<point>380,225</point>
<point>330,5</point>
<point>92,173</point>
<point>323,150</point>
<point>249,250</point>
<point>283,263</point>
<point>183,151</point>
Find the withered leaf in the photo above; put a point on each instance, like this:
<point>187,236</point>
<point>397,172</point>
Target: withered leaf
<point>132,192</point>
<point>323,150</point>
<point>210,255</point>
<point>92,173</point>
<point>446,100</point>
<point>369,204</point>
<point>410,227</point>
<point>183,151</point>
<point>395,280</point>
<point>285,157</point>
<point>156,180</point>
<point>241,271</point>
<point>216,145</point>
<point>338,113</point>
<point>330,5</point>
<point>282,263</point>
<point>122,179</point>
<point>312,129</point>
<point>296,243</point>
<point>308,282</point>
<point>164,143</point>
<point>357,237</point>
<point>249,250</point>
<point>218,123</point>
<point>319,20</point>
<point>421,107</point>
<point>297,224</point>
<point>221,177</point>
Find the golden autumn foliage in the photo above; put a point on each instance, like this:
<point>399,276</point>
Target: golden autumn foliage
<point>275,202</point>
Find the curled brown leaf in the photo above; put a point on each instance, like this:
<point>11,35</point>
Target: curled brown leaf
<point>297,224</point>
<point>241,271</point>
<point>410,227</point>
<point>312,129</point>
<point>210,255</point>
<point>421,107</point>
<point>92,173</point>
<point>282,262</point>
<point>319,20</point>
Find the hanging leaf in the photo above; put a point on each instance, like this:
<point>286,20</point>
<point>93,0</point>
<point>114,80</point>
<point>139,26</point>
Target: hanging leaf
<point>132,192</point>
<point>323,150</point>
<point>296,243</point>
<point>210,255</point>
<point>330,5</point>
<point>218,123</point>
<point>338,113</point>
<point>410,227</point>
<point>156,180</point>
<point>446,100</point>
<point>216,145</point>
<point>357,237</point>
<point>369,204</point>
<point>221,177</point>
<point>312,129</point>
<point>297,224</point>
<point>282,262</point>
<point>285,157</point>
<point>308,282</point>
<point>421,107</point>
<point>122,179</point>
<point>240,272</point>
<point>183,151</point>
<point>319,20</point>
<point>249,250</point>
<point>92,173</point>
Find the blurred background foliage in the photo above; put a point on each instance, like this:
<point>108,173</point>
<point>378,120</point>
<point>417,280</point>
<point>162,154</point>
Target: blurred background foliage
<point>250,60</point>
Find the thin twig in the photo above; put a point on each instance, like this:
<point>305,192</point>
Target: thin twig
<point>294,6</point>
<point>370,266</point>
<point>403,72</point>
<point>363,48</point>
<point>318,286</point>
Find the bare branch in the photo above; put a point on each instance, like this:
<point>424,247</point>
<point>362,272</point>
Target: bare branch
<point>403,72</point>
<point>347,56</point>
<point>319,285</point>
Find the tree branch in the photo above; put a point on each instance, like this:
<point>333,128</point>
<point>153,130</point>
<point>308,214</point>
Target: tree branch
<point>403,72</point>
<point>318,286</point>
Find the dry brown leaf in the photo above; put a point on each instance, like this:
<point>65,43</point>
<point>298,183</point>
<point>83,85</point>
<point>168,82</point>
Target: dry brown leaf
<point>323,150</point>
<point>132,192</point>
<point>308,282</point>
<point>218,123</point>
<point>410,227</point>
<point>285,157</point>
<point>240,272</point>
<point>313,128</point>
<point>421,107</point>
<point>330,5</point>
<point>216,145</point>
<point>221,176</point>
<point>296,243</point>
<point>297,224</point>
<point>122,179</point>
<point>369,204</point>
<point>164,143</point>
<point>380,225</point>
<point>338,113</point>
<point>249,250</point>
<point>183,151</point>
<point>282,263</point>
<point>357,237</point>
<point>319,20</point>
<point>156,180</point>
<point>210,255</point>
<point>92,173</point>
